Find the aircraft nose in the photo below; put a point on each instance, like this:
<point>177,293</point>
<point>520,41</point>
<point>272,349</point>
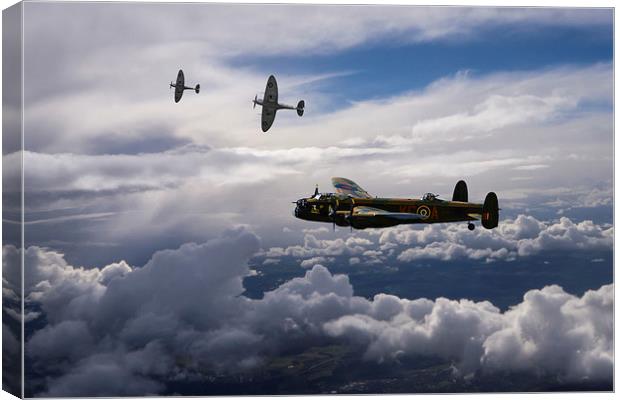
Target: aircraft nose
<point>298,208</point>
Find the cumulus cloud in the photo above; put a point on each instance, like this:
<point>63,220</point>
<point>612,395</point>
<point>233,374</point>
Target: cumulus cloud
<point>551,331</point>
<point>543,332</point>
<point>520,237</point>
<point>167,188</point>
<point>311,262</point>
<point>314,247</point>
<point>134,324</point>
<point>113,168</point>
<point>108,319</point>
<point>207,175</point>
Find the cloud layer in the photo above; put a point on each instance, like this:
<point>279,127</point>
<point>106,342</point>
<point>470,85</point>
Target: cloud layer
<point>520,237</point>
<point>133,325</point>
<point>497,131</point>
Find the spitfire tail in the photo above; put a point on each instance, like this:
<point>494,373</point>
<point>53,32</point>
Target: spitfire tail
<point>490,211</point>
<point>460,192</point>
<point>300,108</point>
<point>197,89</point>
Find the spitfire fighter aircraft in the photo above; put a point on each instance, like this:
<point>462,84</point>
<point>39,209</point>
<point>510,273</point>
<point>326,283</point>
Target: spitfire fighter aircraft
<point>353,206</point>
<point>179,87</point>
<point>270,104</point>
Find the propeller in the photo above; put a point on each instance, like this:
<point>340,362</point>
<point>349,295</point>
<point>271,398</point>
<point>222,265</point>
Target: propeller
<point>333,212</point>
<point>350,216</point>
<point>255,101</point>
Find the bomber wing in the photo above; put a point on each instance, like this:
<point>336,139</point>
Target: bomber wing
<point>363,211</point>
<point>349,188</point>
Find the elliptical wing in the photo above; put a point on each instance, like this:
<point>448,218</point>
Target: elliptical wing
<point>178,90</point>
<point>267,118</point>
<point>271,91</point>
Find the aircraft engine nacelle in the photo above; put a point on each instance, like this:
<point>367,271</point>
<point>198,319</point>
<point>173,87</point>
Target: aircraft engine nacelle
<point>490,211</point>
<point>300,107</point>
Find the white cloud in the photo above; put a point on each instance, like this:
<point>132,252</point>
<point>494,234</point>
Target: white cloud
<point>226,30</point>
<point>314,247</point>
<point>551,331</point>
<point>119,329</point>
<point>522,237</point>
<point>311,262</point>
<point>543,333</point>
<point>210,177</point>
<point>565,235</point>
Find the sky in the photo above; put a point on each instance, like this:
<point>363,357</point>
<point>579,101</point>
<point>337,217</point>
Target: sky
<point>125,189</point>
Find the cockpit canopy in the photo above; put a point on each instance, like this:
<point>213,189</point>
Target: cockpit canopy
<point>429,197</point>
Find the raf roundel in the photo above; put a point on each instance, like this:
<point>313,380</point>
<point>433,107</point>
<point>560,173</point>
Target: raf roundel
<point>424,211</point>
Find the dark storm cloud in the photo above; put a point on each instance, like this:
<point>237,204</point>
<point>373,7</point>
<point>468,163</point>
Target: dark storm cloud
<point>12,45</point>
<point>106,322</point>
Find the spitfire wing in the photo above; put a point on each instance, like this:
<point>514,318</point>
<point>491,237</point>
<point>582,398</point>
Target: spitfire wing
<point>178,88</point>
<point>271,91</point>
<point>267,118</point>
<point>364,211</point>
<point>178,93</point>
<point>350,188</point>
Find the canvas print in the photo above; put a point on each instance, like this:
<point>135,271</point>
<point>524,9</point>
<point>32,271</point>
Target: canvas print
<point>284,199</point>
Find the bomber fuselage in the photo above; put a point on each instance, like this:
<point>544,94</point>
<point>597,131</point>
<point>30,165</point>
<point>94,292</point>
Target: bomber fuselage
<point>330,207</point>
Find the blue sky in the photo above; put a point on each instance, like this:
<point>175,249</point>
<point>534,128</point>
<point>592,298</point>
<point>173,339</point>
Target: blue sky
<point>389,68</point>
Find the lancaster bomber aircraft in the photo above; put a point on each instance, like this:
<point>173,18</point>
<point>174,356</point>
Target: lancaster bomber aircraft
<point>270,104</point>
<point>353,206</point>
<point>179,87</point>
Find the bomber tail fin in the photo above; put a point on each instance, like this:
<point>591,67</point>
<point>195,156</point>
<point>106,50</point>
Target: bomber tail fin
<point>490,211</point>
<point>197,89</point>
<point>460,192</point>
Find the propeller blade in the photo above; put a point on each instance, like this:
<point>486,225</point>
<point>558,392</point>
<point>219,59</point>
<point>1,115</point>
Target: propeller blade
<point>333,212</point>
<point>350,217</point>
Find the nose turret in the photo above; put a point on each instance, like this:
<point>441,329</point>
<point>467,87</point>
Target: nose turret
<point>302,208</point>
